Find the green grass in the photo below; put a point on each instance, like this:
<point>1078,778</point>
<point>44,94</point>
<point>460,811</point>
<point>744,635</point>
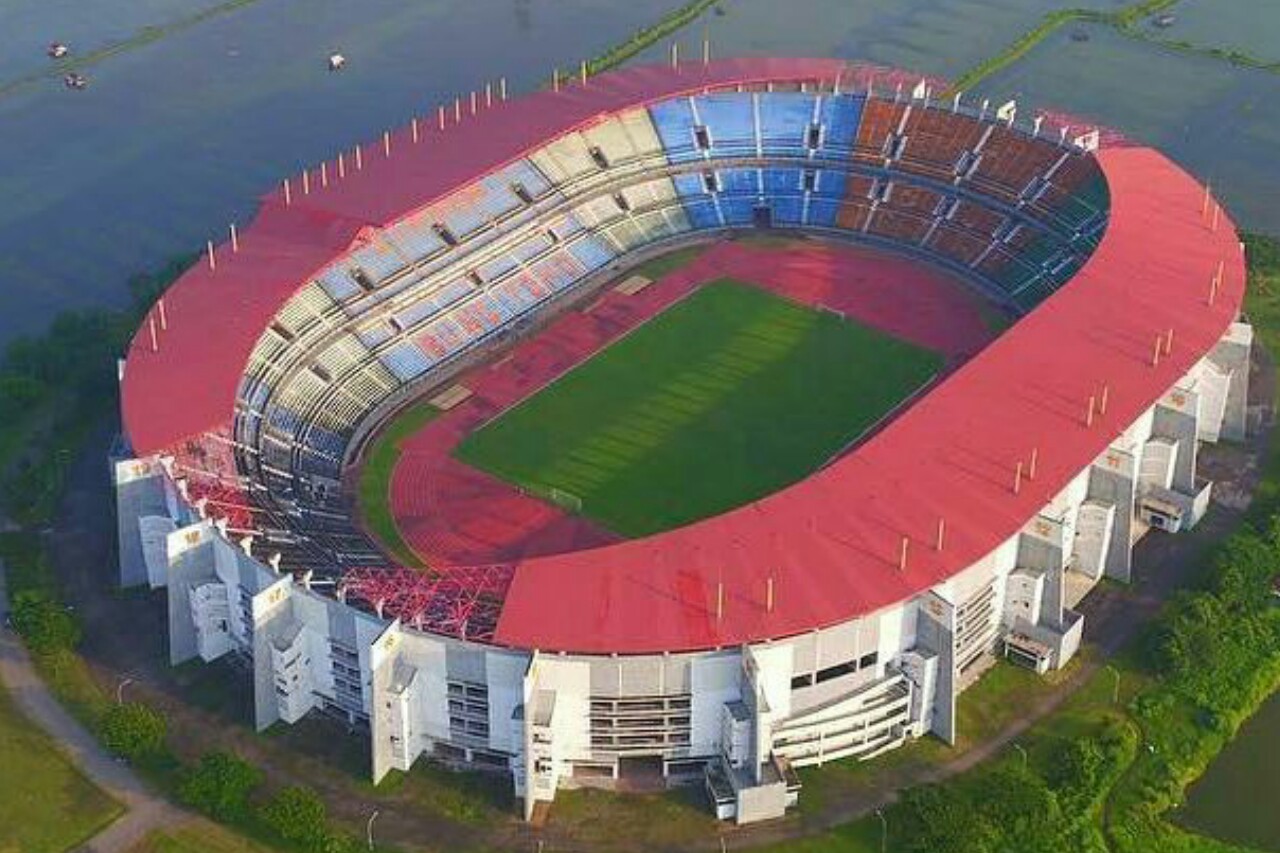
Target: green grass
<point>375,480</point>
<point>726,397</point>
<point>200,836</point>
<point>46,804</point>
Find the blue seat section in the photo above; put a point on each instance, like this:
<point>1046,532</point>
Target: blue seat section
<point>739,195</point>
<point>375,335</point>
<point>591,251</point>
<point>324,441</point>
<point>840,116</point>
<point>674,122</point>
<point>824,201</point>
<point>785,195</point>
<point>524,172</point>
<point>496,268</point>
<point>337,283</point>
<point>311,462</point>
<point>558,270</point>
<point>536,245</point>
<point>416,237</point>
<point>739,182</point>
<point>406,361</point>
<point>784,121</point>
<point>473,206</point>
<point>254,393</point>
<point>434,304</point>
<point>697,202</point>
<point>730,121</point>
<point>283,420</point>
<point>378,259</point>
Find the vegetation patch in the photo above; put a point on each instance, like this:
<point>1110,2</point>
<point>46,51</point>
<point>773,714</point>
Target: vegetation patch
<point>47,805</point>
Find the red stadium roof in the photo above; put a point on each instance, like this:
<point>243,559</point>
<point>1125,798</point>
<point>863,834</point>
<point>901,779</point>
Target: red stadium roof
<point>832,543</point>
<point>187,385</point>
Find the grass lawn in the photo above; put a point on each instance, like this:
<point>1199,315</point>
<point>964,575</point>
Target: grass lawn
<point>375,480</point>
<point>726,397</point>
<point>46,804</point>
<point>200,836</point>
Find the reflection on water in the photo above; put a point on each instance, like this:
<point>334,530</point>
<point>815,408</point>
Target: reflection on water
<point>175,139</point>
<point>1218,121</point>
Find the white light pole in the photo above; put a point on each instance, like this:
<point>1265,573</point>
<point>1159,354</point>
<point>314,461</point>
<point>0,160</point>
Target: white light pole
<point>1022,752</point>
<point>120,690</point>
<point>884,830</point>
<point>368,830</point>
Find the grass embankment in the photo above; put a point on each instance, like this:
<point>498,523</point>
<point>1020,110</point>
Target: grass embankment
<point>1124,19</point>
<point>47,805</point>
<point>375,480</point>
<point>733,393</point>
<point>673,21</point>
<point>144,36</point>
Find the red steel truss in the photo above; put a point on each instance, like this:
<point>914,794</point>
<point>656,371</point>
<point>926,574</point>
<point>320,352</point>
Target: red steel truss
<point>460,602</point>
<point>222,500</point>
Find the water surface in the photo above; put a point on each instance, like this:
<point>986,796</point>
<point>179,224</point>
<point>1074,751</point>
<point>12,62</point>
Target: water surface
<point>1236,799</point>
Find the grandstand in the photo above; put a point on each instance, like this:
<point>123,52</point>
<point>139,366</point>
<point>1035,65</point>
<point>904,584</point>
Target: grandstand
<point>838,617</point>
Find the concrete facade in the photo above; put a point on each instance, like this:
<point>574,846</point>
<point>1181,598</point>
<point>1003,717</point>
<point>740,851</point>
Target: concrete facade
<point>740,720</point>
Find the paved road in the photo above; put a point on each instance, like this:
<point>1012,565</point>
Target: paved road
<point>146,811</point>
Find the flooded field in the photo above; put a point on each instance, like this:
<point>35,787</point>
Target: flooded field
<point>209,102</point>
<point>938,37</point>
<point>1248,26</point>
<point>1217,120</point>
<point>1236,799</point>
<point>176,138</point>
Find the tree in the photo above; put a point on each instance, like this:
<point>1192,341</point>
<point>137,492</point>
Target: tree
<point>133,730</point>
<point>45,624</point>
<point>220,785</point>
<point>298,815</point>
<point>940,819</point>
<point>1077,769</point>
<point>1019,807</point>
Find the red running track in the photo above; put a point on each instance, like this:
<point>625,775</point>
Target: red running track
<point>453,514</point>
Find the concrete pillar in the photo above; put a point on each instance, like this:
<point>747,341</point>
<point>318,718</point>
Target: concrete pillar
<point>1112,479</point>
<point>1231,355</point>
<point>1177,418</point>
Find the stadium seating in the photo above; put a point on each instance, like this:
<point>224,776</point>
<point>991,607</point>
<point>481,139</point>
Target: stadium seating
<point>409,300</point>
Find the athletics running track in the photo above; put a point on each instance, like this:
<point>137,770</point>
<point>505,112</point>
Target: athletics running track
<point>453,514</point>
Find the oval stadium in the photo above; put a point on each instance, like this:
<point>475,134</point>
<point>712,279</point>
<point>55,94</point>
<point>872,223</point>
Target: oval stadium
<point>691,423</point>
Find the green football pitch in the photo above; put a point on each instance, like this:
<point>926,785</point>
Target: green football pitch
<point>725,397</point>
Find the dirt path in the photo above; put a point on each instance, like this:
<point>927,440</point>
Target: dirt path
<point>146,811</point>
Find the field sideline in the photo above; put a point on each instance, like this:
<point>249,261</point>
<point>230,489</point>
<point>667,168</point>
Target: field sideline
<point>726,397</point>
<point>375,480</point>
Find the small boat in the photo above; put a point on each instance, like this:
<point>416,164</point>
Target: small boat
<point>1165,21</point>
<point>57,50</point>
<point>75,81</point>
<point>337,61</point>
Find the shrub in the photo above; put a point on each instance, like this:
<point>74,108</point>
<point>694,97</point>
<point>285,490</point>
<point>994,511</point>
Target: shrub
<point>133,730</point>
<point>298,815</point>
<point>44,623</point>
<point>220,785</point>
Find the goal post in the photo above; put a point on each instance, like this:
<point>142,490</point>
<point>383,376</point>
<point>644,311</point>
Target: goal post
<point>566,500</point>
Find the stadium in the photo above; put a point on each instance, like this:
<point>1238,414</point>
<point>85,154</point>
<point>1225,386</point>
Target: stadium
<point>737,415</point>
